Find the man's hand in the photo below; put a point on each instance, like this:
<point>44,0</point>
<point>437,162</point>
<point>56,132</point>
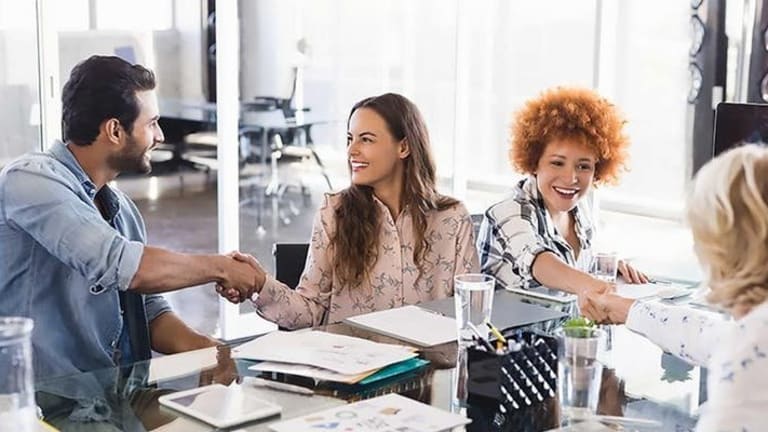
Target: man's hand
<point>242,290</point>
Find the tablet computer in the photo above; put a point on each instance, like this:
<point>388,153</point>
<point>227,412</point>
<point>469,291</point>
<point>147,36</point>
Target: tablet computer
<point>219,405</point>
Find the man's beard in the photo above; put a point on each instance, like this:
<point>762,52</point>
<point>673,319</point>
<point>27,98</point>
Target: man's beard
<point>131,160</point>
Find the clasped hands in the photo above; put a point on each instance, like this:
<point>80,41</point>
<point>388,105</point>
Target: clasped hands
<point>243,276</point>
<point>599,302</point>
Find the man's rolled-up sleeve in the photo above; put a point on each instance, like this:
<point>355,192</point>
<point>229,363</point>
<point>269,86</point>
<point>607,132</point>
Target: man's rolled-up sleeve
<point>70,229</point>
<point>155,305</point>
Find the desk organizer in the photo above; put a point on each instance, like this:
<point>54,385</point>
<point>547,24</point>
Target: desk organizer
<point>516,389</point>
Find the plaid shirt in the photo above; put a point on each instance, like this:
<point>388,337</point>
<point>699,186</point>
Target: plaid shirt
<point>516,230</point>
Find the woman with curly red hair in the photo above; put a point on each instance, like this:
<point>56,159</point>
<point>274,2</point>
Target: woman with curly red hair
<point>567,140</point>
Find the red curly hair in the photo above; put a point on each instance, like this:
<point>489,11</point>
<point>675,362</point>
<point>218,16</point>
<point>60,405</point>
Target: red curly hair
<point>574,114</point>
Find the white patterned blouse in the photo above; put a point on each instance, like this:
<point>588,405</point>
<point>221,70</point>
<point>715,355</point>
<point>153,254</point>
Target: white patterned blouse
<point>735,353</point>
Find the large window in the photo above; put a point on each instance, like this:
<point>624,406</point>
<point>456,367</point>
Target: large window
<point>360,49</point>
<point>647,77</point>
<point>519,49</point>
<point>511,51</point>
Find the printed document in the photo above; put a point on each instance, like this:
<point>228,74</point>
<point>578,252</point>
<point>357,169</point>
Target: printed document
<point>338,353</point>
<point>391,412</point>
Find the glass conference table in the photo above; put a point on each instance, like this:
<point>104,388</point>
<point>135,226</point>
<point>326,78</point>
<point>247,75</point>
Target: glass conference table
<point>640,381</point>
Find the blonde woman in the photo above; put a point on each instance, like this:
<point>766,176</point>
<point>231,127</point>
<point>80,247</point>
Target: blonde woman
<point>728,215</point>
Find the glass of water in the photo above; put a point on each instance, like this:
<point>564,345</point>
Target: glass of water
<point>579,371</point>
<point>474,300</point>
<point>605,266</point>
<point>18,412</point>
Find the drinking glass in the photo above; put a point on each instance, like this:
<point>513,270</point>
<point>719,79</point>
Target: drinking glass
<point>18,412</point>
<point>605,265</point>
<point>579,371</point>
<point>474,300</point>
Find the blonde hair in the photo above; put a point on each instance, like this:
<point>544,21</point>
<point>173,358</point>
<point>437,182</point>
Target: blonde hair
<point>728,215</point>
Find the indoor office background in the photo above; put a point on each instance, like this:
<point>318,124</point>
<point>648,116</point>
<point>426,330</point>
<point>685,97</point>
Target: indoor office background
<point>467,65</point>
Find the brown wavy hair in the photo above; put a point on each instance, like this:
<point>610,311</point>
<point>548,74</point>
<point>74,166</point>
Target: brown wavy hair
<point>570,113</point>
<point>356,241</point>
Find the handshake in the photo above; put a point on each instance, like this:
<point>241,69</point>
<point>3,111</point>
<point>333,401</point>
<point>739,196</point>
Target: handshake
<point>243,276</point>
<point>602,305</point>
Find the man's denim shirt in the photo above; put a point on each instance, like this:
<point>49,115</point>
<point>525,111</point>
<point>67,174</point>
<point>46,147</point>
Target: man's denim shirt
<point>63,265</point>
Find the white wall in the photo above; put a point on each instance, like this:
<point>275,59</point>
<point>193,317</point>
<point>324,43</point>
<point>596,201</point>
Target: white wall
<point>267,47</point>
<point>76,46</point>
<point>190,54</point>
<point>174,56</point>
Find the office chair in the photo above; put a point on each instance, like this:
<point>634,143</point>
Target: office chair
<point>295,141</point>
<point>274,143</point>
<point>290,259</point>
<point>267,103</point>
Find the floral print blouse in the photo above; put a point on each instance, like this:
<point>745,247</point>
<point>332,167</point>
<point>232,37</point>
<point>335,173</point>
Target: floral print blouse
<point>395,280</point>
<point>734,352</point>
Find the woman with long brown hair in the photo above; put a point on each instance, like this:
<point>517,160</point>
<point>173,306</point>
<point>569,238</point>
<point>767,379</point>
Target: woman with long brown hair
<point>387,240</point>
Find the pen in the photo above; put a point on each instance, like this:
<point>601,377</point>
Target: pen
<point>496,332</point>
<point>481,338</point>
<point>659,281</point>
<point>281,386</point>
<point>484,344</point>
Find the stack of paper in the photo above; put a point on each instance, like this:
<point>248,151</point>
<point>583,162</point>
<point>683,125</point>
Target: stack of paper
<point>385,413</point>
<point>320,355</point>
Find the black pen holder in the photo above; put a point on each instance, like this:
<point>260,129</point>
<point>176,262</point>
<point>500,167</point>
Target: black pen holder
<point>515,389</point>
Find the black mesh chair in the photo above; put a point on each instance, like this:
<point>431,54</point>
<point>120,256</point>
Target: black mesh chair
<point>290,259</point>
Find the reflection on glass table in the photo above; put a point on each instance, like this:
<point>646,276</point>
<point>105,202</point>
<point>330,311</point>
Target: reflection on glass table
<point>637,383</point>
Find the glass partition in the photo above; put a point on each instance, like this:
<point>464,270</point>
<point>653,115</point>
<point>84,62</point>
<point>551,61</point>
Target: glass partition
<point>20,119</point>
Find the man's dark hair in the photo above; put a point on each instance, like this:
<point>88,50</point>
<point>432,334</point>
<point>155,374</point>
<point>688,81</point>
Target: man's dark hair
<point>98,89</point>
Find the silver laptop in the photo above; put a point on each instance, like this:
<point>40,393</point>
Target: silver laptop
<point>508,311</point>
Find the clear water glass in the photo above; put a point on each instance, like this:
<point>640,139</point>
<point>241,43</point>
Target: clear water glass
<point>18,412</point>
<point>605,266</point>
<point>474,301</point>
<point>579,371</point>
